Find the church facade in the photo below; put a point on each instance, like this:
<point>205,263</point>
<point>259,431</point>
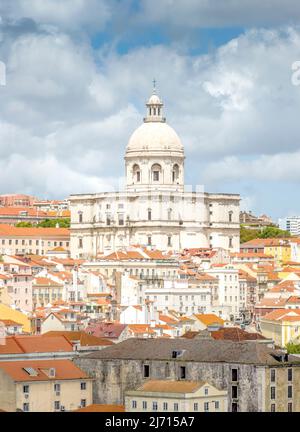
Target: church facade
<point>154,210</point>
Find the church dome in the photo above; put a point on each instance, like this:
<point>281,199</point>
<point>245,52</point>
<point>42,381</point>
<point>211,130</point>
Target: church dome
<point>153,137</point>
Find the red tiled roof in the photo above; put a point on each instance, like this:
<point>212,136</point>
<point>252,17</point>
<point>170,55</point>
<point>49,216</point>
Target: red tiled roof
<point>64,370</point>
<point>35,344</point>
<point>12,231</point>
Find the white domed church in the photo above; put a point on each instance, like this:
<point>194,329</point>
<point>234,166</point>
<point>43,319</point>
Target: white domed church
<point>154,210</point>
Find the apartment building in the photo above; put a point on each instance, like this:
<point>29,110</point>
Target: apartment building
<point>19,283</point>
<point>175,396</point>
<point>229,291</point>
<point>37,241</point>
<point>43,386</point>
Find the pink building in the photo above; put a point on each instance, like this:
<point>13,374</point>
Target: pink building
<point>15,200</point>
<point>20,283</point>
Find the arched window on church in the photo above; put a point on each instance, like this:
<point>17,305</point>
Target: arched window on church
<point>175,173</point>
<point>80,216</point>
<point>156,172</point>
<point>136,173</point>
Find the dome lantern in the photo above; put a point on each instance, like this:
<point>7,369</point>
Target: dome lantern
<point>154,108</point>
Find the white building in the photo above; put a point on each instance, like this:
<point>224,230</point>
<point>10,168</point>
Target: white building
<point>154,209</point>
<point>230,295</point>
<point>180,296</point>
<point>291,224</point>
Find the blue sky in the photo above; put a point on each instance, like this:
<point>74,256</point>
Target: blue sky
<point>80,71</point>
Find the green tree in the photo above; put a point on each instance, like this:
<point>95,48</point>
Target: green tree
<point>293,348</point>
<point>24,225</point>
<point>271,232</point>
<point>51,223</point>
<point>248,234</point>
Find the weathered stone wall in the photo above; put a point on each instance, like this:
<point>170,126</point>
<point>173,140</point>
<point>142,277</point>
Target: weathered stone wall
<point>114,377</point>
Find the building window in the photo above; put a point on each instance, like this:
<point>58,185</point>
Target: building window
<point>234,375</point>
<point>156,176</point>
<point>206,406</point>
<point>273,407</point>
<point>234,407</point>
<point>149,241</point>
<point>146,371</point>
<point>26,389</point>
<point>134,404</point>
<point>156,170</point>
<point>230,216</point>
<point>273,393</point>
<point>144,405</point>
<point>154,406</point>
<point>273,375</point>
<point>80,217</point>
<point>175,173</point>
<point>80,243</point>
<point>169,241</point>
<point>176,406</point>
<point>121,219</point>
<point>290,391</point>
<point>165,406</point>
<point>290,374</point>
<point>149,214</point>
<point>136,173</point>
<point>83,386</point>
<point>234,392</point>
<point>83,403</point>
<point>290,407</point>
<point>57,405</point>
<point>217,405</point>
<point>195,407</point>
<point>230,243</point>
<point>167,371</point>
<point>108,220</point>
<point>57,387</point>
<point>26,407</point>
<point>206,391</point>
<point>182,372</point>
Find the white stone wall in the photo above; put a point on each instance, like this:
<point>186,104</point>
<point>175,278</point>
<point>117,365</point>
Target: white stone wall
<point>178,220</point>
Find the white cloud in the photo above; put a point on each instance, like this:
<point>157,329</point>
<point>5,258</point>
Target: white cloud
<point>215,13</point>
<point>282,167</point>
<point>67,14</point>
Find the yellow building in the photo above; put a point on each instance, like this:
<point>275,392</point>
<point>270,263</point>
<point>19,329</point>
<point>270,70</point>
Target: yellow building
<point>281,325</point>
<point>7,313</point>
<point>173,396</point>
<point>45,291</point>
<point>43,386</point>
<point>279,249</point>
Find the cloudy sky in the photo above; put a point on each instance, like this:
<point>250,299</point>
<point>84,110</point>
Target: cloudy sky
<point>78,73</point>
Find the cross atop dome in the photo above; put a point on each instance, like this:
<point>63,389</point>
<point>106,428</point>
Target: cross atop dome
<point>154,107</point>
<point>154,86</point>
